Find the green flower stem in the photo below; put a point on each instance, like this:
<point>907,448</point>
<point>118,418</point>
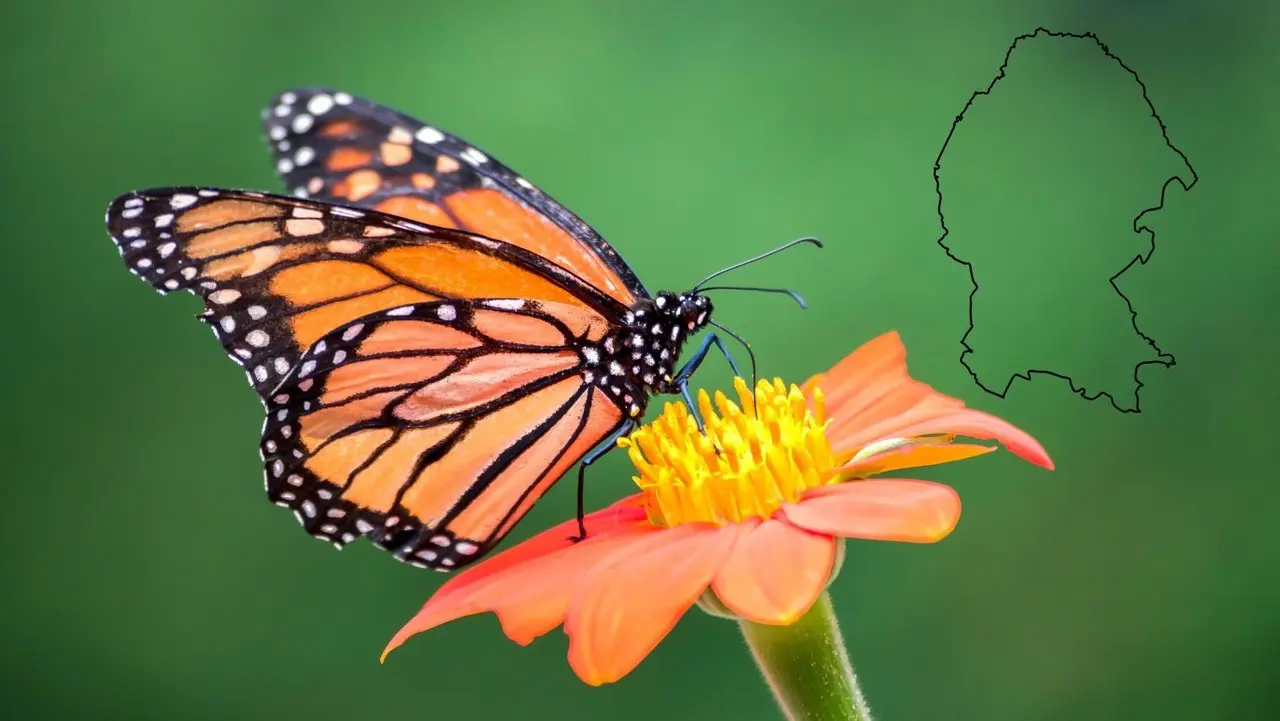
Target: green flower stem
<point>807,666</point>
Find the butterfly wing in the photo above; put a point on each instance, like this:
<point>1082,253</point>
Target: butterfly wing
<point>334,146</point>
<point>278,273</point>
<point>432,428</point>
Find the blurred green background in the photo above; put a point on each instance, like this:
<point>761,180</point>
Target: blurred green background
<point>146,577</point>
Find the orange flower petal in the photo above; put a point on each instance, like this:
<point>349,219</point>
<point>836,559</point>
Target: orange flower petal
<point>884,509</point>
<point>914,455</point>
<point>870,396</point>
<point>776,572</point>
<point>528,586</point>
<point>629,603</point>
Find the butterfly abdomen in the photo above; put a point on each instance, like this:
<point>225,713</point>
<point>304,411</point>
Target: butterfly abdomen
<point>639,359</point>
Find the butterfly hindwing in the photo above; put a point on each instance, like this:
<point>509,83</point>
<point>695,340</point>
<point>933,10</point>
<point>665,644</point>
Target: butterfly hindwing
<point>337,147</point>
<point>278,273</point>
<point>432,428</point>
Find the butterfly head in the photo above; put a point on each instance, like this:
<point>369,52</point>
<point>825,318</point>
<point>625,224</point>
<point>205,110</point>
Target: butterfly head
<point>688,311</point>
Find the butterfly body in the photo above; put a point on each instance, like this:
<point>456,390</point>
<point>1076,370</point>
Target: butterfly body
<point>435,341</point>
<point>638,359</point>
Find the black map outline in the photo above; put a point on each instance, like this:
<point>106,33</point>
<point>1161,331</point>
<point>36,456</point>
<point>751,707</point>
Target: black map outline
<point>1139,258</point>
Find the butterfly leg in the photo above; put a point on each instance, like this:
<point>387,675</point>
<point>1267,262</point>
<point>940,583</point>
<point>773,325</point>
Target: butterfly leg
<point>596,454</point>
<point>681,381</point>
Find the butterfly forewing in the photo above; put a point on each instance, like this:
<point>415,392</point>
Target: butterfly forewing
<point>334,146</point>
<point>278,273</point>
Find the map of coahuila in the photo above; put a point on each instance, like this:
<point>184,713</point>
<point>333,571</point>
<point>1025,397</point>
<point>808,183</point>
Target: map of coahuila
<point>1049,187</point>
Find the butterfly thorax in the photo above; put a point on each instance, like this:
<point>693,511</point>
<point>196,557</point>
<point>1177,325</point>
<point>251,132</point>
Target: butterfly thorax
<point>640,357</point>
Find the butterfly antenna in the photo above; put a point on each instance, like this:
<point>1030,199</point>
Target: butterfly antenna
<point>750,354</point>
<point>799,299</point>
<point>762,256</point>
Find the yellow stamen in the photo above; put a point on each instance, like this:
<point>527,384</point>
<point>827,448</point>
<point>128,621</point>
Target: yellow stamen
<point>755,455</point>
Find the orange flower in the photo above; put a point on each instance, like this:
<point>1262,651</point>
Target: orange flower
<point>750,513</point>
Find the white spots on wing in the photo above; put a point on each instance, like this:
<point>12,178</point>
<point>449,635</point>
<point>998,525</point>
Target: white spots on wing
<point>181,200</point>
<point>441,540</point>
<point>634,410</point>
<point>286,431</point>
<point>277,468</point>
<point>466,548</point>
<point>346,246</point>
<point>592,355</point>
<point>257,338</point>
<point>130,212</point>
<point>353,331</point>
<point>132,233</point>
<point>283,145</point>
<point>190,272</point>
<point>282,110</point>
<point>309,508</point>
<point>277,132</point>
<point>171,284</point>
<point>305,386</point>
<point>401,311</point>
<point>261,374</point>
<point>391,521</point>
<point>307,213</point>
<point>138,244</point>
<point>429,135</point>
<point>447,561</point>
<point>299,227</point>
<point>342,98</point>
<point>346,212</point>
<point>363,526</point>
<point>305,369</point>
<point>427,554</point>
<point>270,446</point>
<point>339,356</point>
<point>319,348</point>
<point>143,263</point>
<point>228,323</point>
<point>524,183</point>
<point>302,123</point>
<point>400,136</point>
<point>256,312</point>
<point>284,165</point>
<point>281,399</point>
<point>335,513</point>
<point>473,156</point>
<point>506,303</point>
<point>133,203</point>
<point>207,193</point>
<point>167,249</point>
<point>319,104</point>
<point>446,312</point>
<point>282,366</point>
<point>615,368</point>
<point>242,353</point>
<point>303,156</point>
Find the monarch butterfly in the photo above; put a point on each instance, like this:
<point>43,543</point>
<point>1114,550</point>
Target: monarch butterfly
<point>435,340</point>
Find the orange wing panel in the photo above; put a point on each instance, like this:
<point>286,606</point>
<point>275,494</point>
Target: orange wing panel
<point>440,486</point>
<point>489,212</point>
<point>510,496</point>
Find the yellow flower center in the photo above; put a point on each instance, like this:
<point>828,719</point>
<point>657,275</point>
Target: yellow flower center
<point>754,456</point>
